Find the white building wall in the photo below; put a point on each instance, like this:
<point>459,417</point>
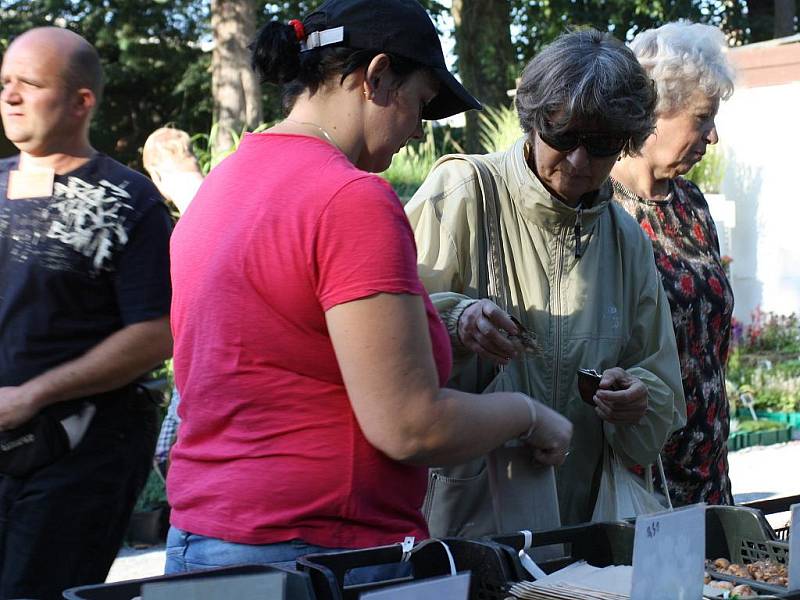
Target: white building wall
<point>759,131</point>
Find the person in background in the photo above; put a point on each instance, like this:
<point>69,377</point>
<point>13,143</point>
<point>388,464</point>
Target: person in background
<point>688,65</point>
<point>308,355</point>
<point>578,267</point>
<point>168,159</point>
<point>84,313</point>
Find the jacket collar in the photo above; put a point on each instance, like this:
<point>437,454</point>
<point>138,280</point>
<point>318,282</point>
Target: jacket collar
<point>535,203</point>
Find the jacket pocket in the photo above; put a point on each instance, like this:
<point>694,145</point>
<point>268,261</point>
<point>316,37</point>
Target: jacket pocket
<point>458,502</point>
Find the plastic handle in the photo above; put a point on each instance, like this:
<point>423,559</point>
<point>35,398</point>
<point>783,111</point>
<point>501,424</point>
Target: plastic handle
<point>530,566</point>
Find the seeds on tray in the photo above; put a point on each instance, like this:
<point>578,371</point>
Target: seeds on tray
<point>765,571</point>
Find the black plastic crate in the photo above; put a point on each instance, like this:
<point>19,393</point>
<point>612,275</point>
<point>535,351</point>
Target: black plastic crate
<point>298,585</point>
<point>599,544</point>
<point>486,562</point>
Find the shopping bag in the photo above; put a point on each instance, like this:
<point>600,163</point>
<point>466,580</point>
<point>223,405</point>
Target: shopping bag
<point>623,494</point>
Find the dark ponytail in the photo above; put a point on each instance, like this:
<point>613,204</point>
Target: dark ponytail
<point>276,58</point>
<point>275,53</point>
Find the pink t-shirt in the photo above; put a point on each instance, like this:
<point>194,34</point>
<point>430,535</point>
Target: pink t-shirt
<point>269,448</point>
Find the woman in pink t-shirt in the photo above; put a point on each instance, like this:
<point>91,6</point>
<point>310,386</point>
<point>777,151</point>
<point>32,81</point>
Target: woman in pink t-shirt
<point>309,357</point>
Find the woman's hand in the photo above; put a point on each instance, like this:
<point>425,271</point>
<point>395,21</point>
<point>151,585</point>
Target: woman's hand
<point>621,398</point>
<point>479,329</point>
<point>551,436</point>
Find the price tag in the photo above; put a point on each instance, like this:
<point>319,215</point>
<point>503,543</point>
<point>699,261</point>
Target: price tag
<point>669,555</point>
<point>32,183</point>
<point>794,549</point>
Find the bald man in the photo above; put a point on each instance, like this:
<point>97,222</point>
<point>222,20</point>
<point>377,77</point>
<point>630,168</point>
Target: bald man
<point>84,305</point>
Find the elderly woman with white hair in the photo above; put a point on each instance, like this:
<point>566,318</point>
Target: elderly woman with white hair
<point>688,65</point>
<point>579,272</point>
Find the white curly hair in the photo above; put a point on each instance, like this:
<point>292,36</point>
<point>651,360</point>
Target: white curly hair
<point>682,57</point>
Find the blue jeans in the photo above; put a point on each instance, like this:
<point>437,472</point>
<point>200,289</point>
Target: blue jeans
<point>189,551</point>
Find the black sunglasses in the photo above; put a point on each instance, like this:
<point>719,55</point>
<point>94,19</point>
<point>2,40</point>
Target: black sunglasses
<point>601,145</point>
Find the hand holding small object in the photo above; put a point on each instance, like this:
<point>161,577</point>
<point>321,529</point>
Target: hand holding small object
<point>621,398</point>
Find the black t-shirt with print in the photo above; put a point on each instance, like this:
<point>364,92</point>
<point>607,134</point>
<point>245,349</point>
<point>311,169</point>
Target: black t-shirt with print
<point>78,266</point>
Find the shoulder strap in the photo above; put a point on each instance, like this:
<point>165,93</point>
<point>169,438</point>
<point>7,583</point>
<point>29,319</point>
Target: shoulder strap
<point>491,272</point>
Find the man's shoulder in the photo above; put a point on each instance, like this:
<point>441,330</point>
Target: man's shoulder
<point>114,171</point>
<point>117,181</point>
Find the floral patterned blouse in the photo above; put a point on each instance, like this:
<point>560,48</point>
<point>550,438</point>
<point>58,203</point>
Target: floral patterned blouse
<point>701,300</point>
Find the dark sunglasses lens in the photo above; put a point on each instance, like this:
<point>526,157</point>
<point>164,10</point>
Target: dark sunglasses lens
<point>563,142</point>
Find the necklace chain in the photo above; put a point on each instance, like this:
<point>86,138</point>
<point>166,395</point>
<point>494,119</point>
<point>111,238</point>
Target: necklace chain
<point>328,137</point>
<point>631,195</point>
<point>622,189</point>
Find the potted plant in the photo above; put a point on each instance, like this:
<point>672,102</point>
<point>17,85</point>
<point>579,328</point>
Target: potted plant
<point>764,365</point>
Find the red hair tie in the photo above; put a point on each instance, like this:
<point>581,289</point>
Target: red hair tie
<point>299,30</point>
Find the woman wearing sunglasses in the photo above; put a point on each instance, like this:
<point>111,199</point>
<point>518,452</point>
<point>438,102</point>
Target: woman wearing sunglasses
<point>579,270</point>
<point>692,75</point>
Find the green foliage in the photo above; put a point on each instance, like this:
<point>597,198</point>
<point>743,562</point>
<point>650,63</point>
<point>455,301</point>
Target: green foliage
<point>412,164</point>
<point>538,22</point>
<point>762,425</point>
<point>771,390</point>
<point>499,128</point>
<point>204,149</point>
<point>154,493</point>
<point>789,368</point>
<point>165,372</point>
<point>707,174</point>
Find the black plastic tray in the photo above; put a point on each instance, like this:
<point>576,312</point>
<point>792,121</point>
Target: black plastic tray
<point>486,562</point>
<point>599,544</point>
<point>298,586</point>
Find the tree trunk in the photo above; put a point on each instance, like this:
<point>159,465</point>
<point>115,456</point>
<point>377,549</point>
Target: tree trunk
<point>485,56</point>
<point>785,12</point>
<point>236,90</point>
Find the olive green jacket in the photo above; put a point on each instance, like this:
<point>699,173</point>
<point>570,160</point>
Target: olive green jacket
<point>604,309</point>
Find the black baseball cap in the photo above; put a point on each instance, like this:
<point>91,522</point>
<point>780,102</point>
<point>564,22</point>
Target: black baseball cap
<point>400,27</point>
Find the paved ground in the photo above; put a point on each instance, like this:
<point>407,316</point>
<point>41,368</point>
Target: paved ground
<point>756,473</point>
